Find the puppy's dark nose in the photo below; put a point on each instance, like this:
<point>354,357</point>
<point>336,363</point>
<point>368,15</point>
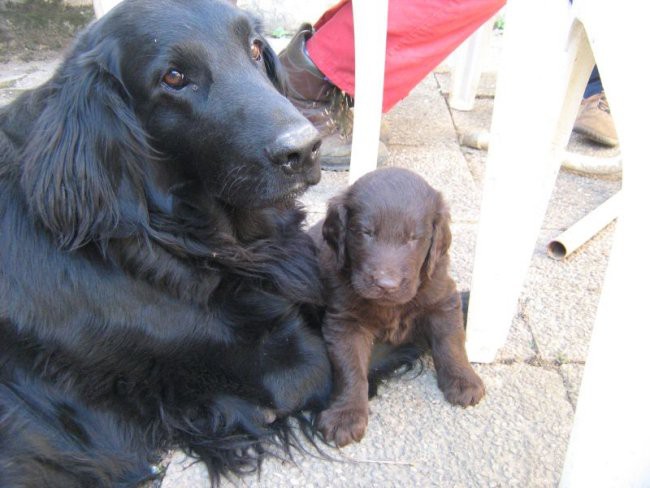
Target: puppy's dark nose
<point>387,282</point>
<point>297,150</point>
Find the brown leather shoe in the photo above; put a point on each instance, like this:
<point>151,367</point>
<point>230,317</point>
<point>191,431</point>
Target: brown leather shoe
<point>324,104</point>
<point>595,121</point>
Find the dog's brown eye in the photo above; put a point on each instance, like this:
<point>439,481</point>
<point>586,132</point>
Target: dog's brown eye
<point>174,79</point>
<point>256,50</point>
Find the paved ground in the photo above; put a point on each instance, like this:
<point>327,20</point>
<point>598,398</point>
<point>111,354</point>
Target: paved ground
<point>517,435</point>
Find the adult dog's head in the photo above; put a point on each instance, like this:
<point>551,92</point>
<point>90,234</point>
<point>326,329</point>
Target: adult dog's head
<point>388,231</point>
<point>157,94</point>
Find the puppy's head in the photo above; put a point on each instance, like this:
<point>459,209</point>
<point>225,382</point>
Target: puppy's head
<point>388,232</point>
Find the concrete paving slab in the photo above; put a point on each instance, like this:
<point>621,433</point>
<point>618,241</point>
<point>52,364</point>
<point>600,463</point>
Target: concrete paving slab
<point>477,119</point>
<point>184,471</point>
<point>461,253</point>
<point>316,198</point>
<point>486,86</point>
<point>445,169</point>
<point>575,195</point>
<point>572,376</point>
<point>520,345</point>
<point>560,298</point>
<point>415,438</point>
<point>422,118</point>
<point>20,76</point>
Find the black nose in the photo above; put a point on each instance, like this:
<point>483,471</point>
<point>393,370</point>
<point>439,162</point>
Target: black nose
<point>297,150</point>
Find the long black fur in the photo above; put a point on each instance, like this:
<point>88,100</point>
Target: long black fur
<point>156,288</point>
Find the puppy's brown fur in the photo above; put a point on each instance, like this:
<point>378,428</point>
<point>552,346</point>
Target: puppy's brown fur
<point>384,260</point>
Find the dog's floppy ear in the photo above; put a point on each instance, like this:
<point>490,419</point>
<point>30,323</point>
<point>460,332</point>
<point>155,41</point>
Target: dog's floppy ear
<point>334,229</point>
<point>274,69</point>
<point>83,142</point>
<point>441,239</point>
<point>272,64</point>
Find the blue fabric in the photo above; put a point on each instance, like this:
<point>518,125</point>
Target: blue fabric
<point>594,85</point>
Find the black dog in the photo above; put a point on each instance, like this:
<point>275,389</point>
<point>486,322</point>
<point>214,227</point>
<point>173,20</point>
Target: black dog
<point>156,289</point>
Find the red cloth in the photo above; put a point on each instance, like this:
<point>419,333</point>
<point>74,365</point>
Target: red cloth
<point>421,33</point>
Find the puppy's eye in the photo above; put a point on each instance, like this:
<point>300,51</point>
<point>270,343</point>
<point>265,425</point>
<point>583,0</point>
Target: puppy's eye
<point>174,79</point>
<point>368,232</point>
<point>256,50</point>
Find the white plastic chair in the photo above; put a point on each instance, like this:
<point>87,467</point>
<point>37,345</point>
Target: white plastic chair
<point>546,62</point>
<point>466,71</point>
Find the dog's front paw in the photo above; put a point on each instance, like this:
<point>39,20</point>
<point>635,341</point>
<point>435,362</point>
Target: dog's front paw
<point>462,388</point>
<point>343,425</point>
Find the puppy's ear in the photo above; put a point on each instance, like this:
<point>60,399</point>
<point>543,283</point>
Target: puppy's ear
<point>441,239</point>
<point>84,142</point>
<point>334,229</point>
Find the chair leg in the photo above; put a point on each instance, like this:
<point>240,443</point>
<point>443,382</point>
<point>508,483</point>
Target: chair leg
<point>546,63</point>
<point>370,27</point>
<point>466,73</point>
<point>611,428</point>
<point>609,440</point>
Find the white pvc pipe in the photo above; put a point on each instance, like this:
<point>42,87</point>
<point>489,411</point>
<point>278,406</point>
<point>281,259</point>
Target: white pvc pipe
<point>583,230</point>
<point>583,163</point>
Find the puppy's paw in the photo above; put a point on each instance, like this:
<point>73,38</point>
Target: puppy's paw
<point>463,388</point>
<point>343,425</point>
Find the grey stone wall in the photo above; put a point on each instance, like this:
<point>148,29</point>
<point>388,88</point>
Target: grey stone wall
<point>287,14</point>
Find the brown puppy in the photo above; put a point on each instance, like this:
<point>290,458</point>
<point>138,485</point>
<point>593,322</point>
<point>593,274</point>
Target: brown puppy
<point>384,261</point>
